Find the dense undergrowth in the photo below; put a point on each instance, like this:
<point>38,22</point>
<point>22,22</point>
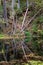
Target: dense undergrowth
<point>34,36</point>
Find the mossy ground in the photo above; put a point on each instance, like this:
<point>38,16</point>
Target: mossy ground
<point>34,63</point>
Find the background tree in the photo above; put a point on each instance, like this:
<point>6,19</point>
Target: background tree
<point>18,4</point>
<point>5,10</point>
<point>27,3</point>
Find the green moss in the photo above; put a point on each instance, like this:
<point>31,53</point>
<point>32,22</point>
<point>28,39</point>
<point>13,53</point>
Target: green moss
<point>36,62</point>
<point>32,63</point>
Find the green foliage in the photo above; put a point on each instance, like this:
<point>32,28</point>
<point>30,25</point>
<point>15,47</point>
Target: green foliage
<point>37,35</point>
<point>36,31</point>
<point>23,4</point>
<point>40,19</point>
<point>18,11</point>
<point>0,7</point>
<point>27,36</point>
<point>39,3</point>
<point>34,28</point>
<point>32,63</point>
<point>2,21</point>
<point>1,35</point>
<point>36,62</point>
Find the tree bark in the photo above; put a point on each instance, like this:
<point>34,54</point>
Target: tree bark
<point>18,4</point>
<point>27,3</point>
<point>5,10</point>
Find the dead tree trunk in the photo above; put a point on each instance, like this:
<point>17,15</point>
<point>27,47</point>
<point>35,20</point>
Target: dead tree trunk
<point>27,3</point>
<point>5,10</point>
<point>18,4</point>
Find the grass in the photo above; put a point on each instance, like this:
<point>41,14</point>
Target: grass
<point>34,63</point>
<point>4,36</point>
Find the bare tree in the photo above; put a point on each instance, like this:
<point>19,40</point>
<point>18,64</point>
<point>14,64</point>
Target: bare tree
<point>27,3</point>
<point>13,14</point>
<point>13,3</point>
<point>18,4</point>
<point>13,25</point>
<point>5,10</point>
